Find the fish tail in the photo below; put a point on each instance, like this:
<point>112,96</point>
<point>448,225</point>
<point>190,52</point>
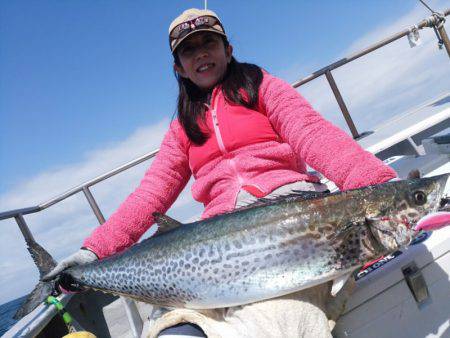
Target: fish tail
<point>39,294</point>
<point>45,263</point>
<point>43,260</point>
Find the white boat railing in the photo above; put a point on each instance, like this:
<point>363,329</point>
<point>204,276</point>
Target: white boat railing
<point>33,323</point>
<point>435,21</point>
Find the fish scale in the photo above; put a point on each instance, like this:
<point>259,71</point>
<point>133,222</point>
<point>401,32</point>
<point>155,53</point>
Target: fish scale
<point>267,250</point>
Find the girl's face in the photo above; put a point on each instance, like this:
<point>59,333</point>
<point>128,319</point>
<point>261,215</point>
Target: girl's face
<point>203,59</point>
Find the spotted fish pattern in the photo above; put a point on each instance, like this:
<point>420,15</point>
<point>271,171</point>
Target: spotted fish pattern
<point>267,250</point>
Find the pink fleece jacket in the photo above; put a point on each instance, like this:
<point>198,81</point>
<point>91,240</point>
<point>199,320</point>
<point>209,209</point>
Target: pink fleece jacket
<point>257,150</point>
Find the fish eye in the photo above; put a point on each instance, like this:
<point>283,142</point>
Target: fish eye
<point>420,198</point>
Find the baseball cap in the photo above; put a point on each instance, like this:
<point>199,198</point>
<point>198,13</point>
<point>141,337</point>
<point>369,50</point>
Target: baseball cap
<point>191,21</point>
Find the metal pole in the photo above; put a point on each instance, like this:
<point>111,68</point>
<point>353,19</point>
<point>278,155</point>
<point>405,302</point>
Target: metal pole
<point>436,21</point>
<point>350,58</point>
<point>432,21</point>
<point>24,229</point>
<point>340,101</point>
<point>42,315</point>
<point>134,318</point>
<point>94,205</point>
<point>444,38</point>
<point>98,179</point>
<point>131,310</point>
<point>16,212</point>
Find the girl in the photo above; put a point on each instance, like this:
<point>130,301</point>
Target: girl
<point>244,134</point>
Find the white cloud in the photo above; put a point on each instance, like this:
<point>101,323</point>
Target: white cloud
<point>386,82</point>
<point>375,87</point>
<point>96,162</point>
<point>62,227</point>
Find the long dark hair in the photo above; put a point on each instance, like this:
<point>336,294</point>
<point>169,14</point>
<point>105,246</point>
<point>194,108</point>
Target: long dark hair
<point>191,99</point>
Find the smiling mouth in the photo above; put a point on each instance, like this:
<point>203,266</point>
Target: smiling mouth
<point>205,67</point>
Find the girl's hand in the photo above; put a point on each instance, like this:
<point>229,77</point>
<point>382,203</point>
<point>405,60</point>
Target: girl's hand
<point>82,256</point>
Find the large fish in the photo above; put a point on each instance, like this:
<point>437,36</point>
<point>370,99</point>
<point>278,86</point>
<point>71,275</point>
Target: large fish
<point>269,249</point>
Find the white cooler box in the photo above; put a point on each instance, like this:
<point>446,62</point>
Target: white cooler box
<point>384,304</point>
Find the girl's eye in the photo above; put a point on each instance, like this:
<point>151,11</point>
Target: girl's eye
<point>187,50</point>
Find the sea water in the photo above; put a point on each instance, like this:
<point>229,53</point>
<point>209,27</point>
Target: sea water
<point>7,311</point>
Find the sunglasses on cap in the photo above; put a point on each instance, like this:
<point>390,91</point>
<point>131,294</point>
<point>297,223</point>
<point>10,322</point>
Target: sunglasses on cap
<point>206,21</point>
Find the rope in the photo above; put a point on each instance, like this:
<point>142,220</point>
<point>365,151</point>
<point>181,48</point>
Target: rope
<point>67,318</point>
<point>439,18</point>
<point>436,21</point>
<point>423,3</point>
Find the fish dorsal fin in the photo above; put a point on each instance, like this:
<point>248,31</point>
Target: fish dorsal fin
<point>165,223</point>
<point>339,283</point>
<point>293,195</point>
<point>415,173</point>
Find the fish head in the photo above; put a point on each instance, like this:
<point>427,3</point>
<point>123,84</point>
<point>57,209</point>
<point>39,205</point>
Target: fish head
<point>398,207</point>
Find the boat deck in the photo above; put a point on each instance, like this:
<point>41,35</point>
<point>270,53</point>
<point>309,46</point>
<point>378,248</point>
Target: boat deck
<point>403,134</point>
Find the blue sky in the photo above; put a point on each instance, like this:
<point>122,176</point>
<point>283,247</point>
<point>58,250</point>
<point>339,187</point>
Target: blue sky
<point>77,74</point>
<point>88,85</point>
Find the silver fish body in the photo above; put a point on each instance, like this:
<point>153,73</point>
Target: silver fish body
<point>266,251</point>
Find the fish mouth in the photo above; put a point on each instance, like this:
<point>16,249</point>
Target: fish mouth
<point>402,237</point>
<point>68,284</point>
<point>387,240</point>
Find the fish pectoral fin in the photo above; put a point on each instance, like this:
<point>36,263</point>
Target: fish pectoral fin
<point>165,223</point>
<point>336,306</point>
<point>339,283</point>
<point>343,232</point>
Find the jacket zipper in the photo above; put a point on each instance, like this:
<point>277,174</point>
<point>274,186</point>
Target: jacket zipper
<point>220,140</point>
